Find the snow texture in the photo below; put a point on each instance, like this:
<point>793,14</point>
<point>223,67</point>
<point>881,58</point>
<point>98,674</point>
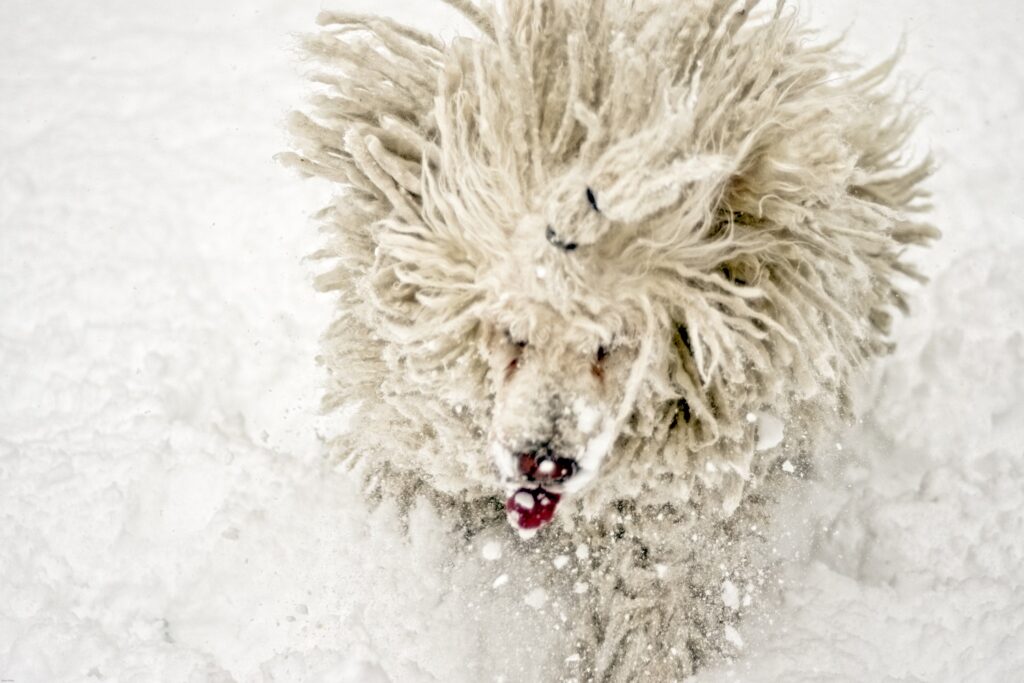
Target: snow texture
<point>165,511</point>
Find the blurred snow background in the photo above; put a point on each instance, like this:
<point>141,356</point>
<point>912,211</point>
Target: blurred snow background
<point>164,514</point>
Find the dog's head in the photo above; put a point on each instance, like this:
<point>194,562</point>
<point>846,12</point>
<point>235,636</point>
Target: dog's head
<point>568,341</point>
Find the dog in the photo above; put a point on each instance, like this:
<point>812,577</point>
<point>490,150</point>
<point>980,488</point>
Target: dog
<point>605,272</point>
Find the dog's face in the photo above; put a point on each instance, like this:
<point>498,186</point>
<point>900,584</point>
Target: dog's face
<point>558,394</point>
<point>561,347</point>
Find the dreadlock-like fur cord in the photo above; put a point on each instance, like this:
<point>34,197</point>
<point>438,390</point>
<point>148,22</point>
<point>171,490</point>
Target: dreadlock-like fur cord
<point>755,202</point>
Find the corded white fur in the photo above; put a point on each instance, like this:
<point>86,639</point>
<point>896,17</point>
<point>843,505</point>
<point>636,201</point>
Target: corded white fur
<point>755,203</point>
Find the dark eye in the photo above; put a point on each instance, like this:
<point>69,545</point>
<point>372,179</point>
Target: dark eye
<point>593,200</point>
<point>518,343</point>
<point>602,353</point>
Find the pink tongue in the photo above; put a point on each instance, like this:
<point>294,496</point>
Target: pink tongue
<point>531,508</point>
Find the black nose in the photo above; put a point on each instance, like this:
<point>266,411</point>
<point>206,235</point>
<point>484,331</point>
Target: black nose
<point>545,467</point>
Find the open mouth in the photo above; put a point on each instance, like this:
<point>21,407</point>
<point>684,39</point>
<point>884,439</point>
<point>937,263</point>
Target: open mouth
<point>531,508</point>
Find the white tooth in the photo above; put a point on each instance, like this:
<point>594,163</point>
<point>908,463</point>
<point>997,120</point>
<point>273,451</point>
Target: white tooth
<point>546,467</point>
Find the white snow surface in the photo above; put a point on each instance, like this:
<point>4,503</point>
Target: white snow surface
<point>164,510</point>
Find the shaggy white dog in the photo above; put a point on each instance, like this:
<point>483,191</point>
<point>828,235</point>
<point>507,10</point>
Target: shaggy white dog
<point>592,259</point>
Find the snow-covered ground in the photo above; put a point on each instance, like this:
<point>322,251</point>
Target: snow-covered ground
<point>164,515</point>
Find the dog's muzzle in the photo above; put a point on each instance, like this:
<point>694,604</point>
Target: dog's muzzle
<point>542,474</point>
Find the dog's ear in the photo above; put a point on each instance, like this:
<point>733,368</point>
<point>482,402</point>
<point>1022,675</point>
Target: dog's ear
<point>656,167</point>
<point>643,191</point>
<point>631,192</point>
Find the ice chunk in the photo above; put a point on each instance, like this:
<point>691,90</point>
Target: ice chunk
<point>492,551</point>
<point>770,431</point>
<point>524,500</point>
<point>730,595</point>
<point>587,416</point>
<point>733,636</point>
<point>536,598</point>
